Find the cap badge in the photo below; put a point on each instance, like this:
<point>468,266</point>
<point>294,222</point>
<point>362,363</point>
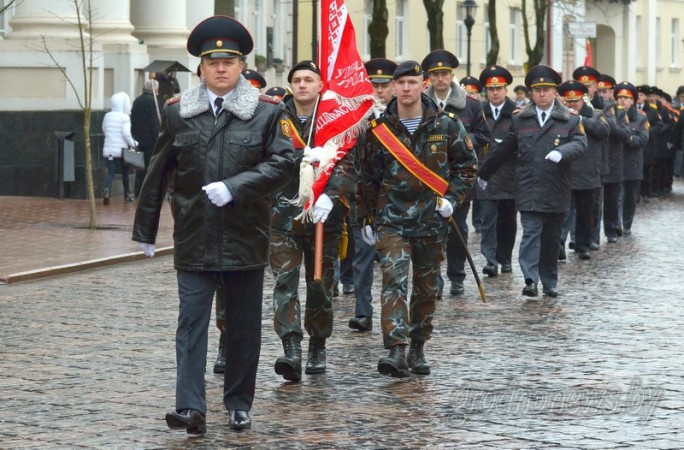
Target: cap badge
<point>219,44</point>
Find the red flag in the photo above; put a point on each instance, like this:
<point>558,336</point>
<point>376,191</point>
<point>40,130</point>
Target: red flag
<point>347,96</point>
<point>588,60</point>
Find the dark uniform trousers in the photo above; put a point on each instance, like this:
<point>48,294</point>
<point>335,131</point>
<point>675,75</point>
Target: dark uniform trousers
<point>456,257</point>
<point>243,300</point>
<point>402,318</point>
<point>632,189</point>
<point>611,209</point>
<point>499,227</point>
<point>364,255</point>
<point>287,251</point>
<point>539,246</point>
<point>583,203</point>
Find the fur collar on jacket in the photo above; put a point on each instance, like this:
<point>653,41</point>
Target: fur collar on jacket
<point>456,99</point>
<point>558,112</point>
<point>242,101</point>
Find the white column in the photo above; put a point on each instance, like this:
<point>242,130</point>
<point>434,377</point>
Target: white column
<point>111,22</point>
<point>629,42</point>
<point>160,23</point>
<point>652,64</point>
<point>54,19</point>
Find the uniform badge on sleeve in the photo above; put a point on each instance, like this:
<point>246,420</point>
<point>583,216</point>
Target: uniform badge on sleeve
<point>468,143</point>
<point>580,127</point>
<point>286,128</point>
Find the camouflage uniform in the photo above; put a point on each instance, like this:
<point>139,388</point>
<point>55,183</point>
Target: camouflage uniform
<point>408,226</point>
<point>292,241</point>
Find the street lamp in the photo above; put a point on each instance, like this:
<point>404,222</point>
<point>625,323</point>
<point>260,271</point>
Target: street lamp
<point>469,6</point>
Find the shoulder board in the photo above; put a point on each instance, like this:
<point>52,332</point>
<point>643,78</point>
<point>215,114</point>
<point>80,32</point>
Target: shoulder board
<point>172,100</point>
<point>641,111</point>
<point>653,106</point>
<point>375,122</point>
<point>451,115</point>
<point>268,99</point>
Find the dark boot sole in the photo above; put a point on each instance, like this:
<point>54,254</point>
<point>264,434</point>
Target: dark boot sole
<point>391,370</point>
<point>287,371</point>
<point>420,370</point>
<point>314,370</point>
<point>176,423</point>
<point>219,369</point>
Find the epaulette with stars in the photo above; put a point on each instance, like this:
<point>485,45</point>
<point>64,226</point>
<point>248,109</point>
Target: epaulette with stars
<point>171,101</point>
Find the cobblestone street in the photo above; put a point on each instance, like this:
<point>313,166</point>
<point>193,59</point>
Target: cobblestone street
<point>87,361</point>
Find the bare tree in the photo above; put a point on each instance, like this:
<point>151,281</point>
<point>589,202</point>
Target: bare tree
<point>378,29</point>
<point>9,4</point>
<point>493,53</point>
<point>224,7</point>
<point>435,22</point>
<point>539,10</point>
<point>84,23</point>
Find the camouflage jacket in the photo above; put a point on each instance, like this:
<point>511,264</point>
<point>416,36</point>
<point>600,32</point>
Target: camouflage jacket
<point>284,212</point>
<point>398,200</point>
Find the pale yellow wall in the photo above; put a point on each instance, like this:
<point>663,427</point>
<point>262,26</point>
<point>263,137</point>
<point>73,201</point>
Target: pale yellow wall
<point>22,82</point>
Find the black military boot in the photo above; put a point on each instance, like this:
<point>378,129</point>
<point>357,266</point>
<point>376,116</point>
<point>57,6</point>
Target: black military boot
<point>105,197</point>
<point>316,361</point>
<point>220,364</point>
<point>395,365</point>
<point>290,365</point>
<point>416,359</point>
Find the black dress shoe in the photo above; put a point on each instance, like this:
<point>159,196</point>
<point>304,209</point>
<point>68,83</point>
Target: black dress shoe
<point>347,289</point>
<point>593,246</point>
<point>618,231</point>
<point>190,420</point>
<point>530,290</point>
<point>238,420</point>
<point>627,231</point>
<point>550,292</point>
<point>583,255</point>
<point>506,268</point>
<point>456,288</point>
<point>561,254</point>
<point>361,323</point>
<point>491,270</point>
<point>612,239</point>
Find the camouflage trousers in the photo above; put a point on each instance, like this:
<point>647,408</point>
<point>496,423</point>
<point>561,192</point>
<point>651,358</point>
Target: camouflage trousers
<point>400,318</point>
<point>287,252</point>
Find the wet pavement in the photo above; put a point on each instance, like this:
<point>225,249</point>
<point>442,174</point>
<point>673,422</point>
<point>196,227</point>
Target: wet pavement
<point>87,361</point>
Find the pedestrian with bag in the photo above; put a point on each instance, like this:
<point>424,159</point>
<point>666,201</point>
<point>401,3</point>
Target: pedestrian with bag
<point>116,127</point>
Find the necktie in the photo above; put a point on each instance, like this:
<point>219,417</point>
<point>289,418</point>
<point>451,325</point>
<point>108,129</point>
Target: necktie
<point>441,105</point>
<point>496,113</point>
<point>543,117</point>
<point>218,103</point>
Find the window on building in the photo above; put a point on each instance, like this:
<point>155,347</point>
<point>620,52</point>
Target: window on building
<point>487,38</point>
<point>461,33</point>
<point>367,17</point>
<point>674,43</point>
<point>658,44</point>
<point>400,26</point>
<point>514,27</point>
<point>2,18</point>
<point>637,37</point>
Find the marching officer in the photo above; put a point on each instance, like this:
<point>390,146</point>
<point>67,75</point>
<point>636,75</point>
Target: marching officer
<point>450,97</point>
<point>497,201</point>
<point>380,72</point>
<point>421,163</point>
<point>545,138</point>
<point>292,239</point>
<point>633,170</point>
<point>586,171</point>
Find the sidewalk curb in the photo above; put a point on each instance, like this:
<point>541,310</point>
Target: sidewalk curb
<point>78,267</point>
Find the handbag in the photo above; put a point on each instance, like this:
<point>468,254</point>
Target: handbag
<point>133,158</point>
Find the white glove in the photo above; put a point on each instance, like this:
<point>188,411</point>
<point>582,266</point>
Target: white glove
<point>670,146</point>
<point>482,183</point>
<point>148,249</point>
<point>369,235</point>
<point>554,156</point>
<point>218,193</point>
<point>313,155</point>
<point>444,207</point>
<point>322,208</point>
